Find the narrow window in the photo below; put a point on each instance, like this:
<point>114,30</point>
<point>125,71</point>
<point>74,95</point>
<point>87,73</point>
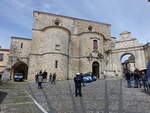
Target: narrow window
<point>1,56</point>
<point>21,45</point>
<point>56,64</point>
<point>95,44</point>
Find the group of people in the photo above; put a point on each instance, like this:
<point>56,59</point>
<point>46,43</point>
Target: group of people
<point>43,75</point>
<point>52,78</point>
<point>138,79</point>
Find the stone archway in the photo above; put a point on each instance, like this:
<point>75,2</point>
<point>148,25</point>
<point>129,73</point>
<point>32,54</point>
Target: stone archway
<point>95,68</point>
<point>127,62</point>
<point>20,67</point>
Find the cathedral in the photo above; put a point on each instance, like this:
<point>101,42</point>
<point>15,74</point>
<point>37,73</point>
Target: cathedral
<point>66,45</point>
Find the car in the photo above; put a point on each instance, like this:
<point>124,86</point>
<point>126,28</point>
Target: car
<point>87,78</point>
<point>18,77</point>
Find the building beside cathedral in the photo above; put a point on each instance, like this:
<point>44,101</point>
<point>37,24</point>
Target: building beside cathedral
<point>67,45</point>
<point>4,56</point>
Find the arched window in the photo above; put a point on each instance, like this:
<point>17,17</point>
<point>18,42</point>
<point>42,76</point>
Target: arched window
<point>57,22</point>
<point>90,28</point>
<point>95,44</point>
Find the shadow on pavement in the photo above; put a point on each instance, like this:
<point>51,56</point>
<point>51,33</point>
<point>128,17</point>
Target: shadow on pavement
<point>2,96</point>
<point>146,92</point>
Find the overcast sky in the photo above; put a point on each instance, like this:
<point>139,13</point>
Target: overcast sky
<point>123,15</point>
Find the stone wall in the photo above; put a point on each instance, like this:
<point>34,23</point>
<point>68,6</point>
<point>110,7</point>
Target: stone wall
<point>74,25</point>
<point>66,40</point>
<point>128,45</point>
<point>3,64</point>
<point>51,45</point>
<point>20,47</point>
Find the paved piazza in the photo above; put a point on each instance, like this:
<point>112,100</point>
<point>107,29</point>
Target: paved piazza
<point>98,97</point>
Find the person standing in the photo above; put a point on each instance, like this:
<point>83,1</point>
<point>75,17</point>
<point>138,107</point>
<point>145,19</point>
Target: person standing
<point>81,75</point>
<point>36,78</point>
<point>53,78</point>
<point>128,78</point>
<point>50,77</point>
<point>140,79</point>
<point>44,74</point>
<point>40,80</point>
<point>78,81</point>
<point>145,80</point>
<point>136,79</point>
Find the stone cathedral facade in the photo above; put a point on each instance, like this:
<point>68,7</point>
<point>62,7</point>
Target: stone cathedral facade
<point>67,45</point>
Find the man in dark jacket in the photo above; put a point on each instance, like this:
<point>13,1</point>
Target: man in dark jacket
<point>44,74</point>
<point>50,77</point>
<point>53,78</point>
<point>136,79</point>
<point>145,80</point>
<point>78,81</point>
<point>128,78</point>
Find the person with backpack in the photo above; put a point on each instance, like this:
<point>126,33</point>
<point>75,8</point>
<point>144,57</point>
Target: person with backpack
<point>78,81</point>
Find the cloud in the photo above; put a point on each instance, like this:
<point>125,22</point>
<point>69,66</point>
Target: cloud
<point>131,15</point>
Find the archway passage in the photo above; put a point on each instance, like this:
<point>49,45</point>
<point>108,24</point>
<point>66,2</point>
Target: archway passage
<point>128,62</point>
<point>20,67</point>
<point>95,69</point>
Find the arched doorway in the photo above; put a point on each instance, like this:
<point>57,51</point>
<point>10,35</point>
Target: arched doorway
<point>20,67</point>
<point>95,69</point>
<point>127,62</point>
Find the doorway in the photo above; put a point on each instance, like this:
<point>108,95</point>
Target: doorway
<point>95,69</point>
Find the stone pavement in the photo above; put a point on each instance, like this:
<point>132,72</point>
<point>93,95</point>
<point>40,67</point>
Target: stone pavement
<point>110,96</point>
<point>13,99</point>
<point>102,96</point>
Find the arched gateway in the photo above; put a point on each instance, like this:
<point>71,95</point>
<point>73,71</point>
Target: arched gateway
<point>20,67</point>
<point>127,46</point>
<point>128,62</point>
